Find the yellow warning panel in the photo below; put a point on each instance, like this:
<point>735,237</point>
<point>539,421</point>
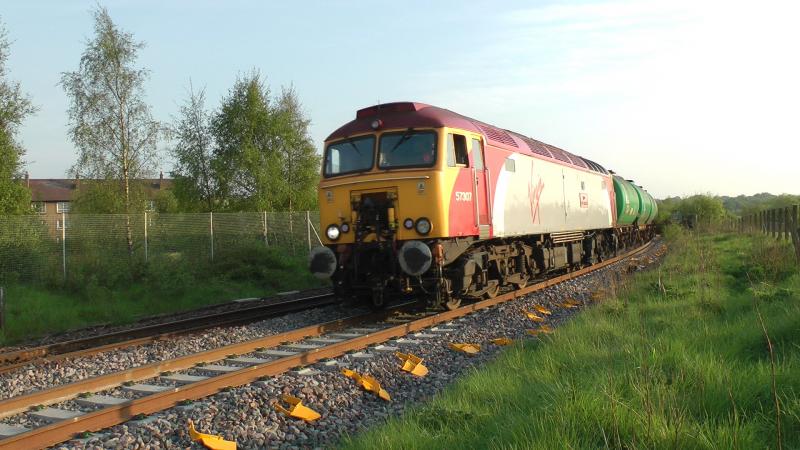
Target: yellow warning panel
<point>544,329</point>
<point>297,409</point>
<point>542,310</point>
<point>210,441</point>
<point>469,349</point>
<point>412,364</point>
<point>533,316</point>
<point>367,382</point>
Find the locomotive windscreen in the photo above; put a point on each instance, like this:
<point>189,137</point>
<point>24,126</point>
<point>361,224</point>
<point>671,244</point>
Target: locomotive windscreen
<point>349,156</point>
<point>407,149</point>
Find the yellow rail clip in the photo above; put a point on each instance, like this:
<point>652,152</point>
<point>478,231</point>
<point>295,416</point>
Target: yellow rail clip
<point>533,316</point>
<point>544,329</point>
<point>296,409</point>
<point>501,341</point>
<point>210,441</point>
<point>570,303</point>
<point>542,310</point>
<point>412,364</point>
<point>469,349</point>
<point>368,383</point>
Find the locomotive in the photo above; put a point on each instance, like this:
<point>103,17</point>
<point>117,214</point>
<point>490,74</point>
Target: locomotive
<point>417,200</point>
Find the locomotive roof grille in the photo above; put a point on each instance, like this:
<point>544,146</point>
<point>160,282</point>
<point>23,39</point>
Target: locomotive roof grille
<point>496,134</point>
<point>420,115</point>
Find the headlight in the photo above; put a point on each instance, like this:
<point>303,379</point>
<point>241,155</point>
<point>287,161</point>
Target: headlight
<point>423,226</point>
<point>345,227</point>
<point>332,232</point>
<point>408,223</point>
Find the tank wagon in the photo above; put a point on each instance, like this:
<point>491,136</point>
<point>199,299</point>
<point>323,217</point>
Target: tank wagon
<point>419,200</point>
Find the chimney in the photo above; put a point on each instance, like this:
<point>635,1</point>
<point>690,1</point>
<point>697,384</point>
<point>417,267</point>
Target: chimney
<point>27,179</point>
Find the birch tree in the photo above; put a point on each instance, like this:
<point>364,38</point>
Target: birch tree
<point>109,121</point>
<point>299,160</point>
<point>15,106</point>
<point>195,180</point>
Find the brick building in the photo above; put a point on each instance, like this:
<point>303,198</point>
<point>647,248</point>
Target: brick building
<point>51,197</point>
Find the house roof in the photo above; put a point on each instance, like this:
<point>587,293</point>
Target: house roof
<point>62,190</point>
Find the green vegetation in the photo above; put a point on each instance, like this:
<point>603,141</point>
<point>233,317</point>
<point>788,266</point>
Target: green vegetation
<point>710,209</point>
<point>164,285</point>
<point>15,106</point>
<point>676,359</point>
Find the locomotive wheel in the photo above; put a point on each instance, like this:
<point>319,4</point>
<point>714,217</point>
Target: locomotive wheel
<point>494,289</point>
<point>378,300</point>
<point>453,303</point>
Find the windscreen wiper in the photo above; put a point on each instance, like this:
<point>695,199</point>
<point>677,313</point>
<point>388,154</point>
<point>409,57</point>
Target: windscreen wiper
<point>403,138</point>
<point>350,141</point>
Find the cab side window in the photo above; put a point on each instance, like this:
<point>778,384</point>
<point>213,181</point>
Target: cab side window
<point>477,155</point>
<point>457,150</point>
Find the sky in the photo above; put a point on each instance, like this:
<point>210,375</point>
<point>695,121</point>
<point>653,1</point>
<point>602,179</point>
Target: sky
<point>684,97</point>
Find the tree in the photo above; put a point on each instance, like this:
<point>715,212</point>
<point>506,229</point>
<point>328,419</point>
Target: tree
<point>15,106</point>
<point>299,160</point>
<point>709,209</point>
<point>195,182</point>
<point>246,160</point>
<point>110,122</point>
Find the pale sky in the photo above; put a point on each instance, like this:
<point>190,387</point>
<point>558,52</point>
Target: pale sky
<point>682,96</point>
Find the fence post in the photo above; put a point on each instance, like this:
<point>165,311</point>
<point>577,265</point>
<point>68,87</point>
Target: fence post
<point>795,229</point>
<point>787,222</point>
<point>145,236</point>
<point>291,231</point>
<point>64,244</point>
<point>211,227</point>
<point>775,223</point>
<point>2,308</point>
<point>308,228</point>
<point>266,231</point>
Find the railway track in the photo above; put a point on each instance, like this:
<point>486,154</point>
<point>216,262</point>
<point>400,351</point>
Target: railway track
<point>150,333</point>
<point>233,365</point>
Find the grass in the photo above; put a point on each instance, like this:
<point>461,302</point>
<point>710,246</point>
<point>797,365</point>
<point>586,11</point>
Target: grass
<point>676,359</point>
<point>164,286</point>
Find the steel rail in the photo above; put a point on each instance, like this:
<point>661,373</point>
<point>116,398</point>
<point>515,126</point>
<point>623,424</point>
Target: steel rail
<point>151,333</point>
<point>112,415</point>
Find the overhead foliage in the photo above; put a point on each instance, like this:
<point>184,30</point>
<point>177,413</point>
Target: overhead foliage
<point>110,123</point>
<point>15,106</point>
<point>254,153</point>
<point>195,179</point>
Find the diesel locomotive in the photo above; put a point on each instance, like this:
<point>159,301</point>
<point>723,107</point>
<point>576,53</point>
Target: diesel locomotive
<point>417,200</point>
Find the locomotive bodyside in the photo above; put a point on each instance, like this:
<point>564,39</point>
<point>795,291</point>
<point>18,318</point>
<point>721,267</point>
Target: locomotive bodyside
<point>417,199</point>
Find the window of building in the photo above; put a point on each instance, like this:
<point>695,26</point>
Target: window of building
<point>60,224</point>
<point>150,205</point>
<point>511,165</point>
<point>477,156</point>
<point>39,207</point>
<point>62,207</point>
<point>457,150</point>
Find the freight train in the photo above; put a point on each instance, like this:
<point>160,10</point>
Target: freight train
<point>417,200</point>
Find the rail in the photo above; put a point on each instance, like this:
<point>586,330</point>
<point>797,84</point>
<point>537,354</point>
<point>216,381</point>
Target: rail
<point>111,415</point>
<point>150,333</point>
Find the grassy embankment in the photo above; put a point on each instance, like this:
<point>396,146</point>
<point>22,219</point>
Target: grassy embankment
<point>35,310</point>
<point>677,358</point>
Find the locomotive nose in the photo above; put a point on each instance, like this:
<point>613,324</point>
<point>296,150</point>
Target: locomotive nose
<point>322,262</point>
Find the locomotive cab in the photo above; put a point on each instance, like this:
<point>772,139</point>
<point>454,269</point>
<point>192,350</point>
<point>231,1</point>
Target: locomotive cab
<point>418,200</point>
<point>380,207</point>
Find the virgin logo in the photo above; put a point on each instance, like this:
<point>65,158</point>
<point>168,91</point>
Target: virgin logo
<point>534,194</point>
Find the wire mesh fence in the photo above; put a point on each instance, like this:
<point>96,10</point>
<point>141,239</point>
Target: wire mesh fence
<point>58,248</point>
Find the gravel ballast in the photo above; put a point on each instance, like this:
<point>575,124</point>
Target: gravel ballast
<point>246,414</point>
